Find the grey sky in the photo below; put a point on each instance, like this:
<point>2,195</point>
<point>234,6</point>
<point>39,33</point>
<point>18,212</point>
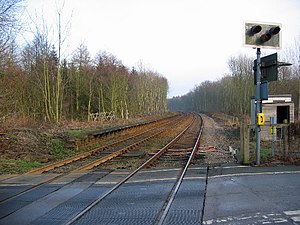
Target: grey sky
<point>187,41</point>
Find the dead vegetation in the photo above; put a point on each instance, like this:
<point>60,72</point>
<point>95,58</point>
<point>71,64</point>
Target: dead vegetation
<point>25,145</point>
<point>34,144</point>
<point>215,142</point>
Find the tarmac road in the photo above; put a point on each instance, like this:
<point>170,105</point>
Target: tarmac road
<point>253,195</point>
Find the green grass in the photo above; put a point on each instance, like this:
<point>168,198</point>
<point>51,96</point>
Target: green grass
<point>58,150</point>
<point>76,134</point>
<point>265,153</point>
<point>17,166</point>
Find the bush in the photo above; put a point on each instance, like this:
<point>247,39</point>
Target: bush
<point>58,151</point>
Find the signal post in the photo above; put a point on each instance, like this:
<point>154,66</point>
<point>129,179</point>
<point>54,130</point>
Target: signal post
<point>261,35</point>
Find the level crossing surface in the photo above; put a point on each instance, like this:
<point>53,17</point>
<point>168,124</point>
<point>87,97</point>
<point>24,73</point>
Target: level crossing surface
<point>216,195</point>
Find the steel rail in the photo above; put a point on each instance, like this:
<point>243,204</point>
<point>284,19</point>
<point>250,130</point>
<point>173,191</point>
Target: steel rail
<point>70,160</point>
<point>121,151</point>
<point>87,154</point>
<point>30,189</point>
<point>179,181</point>
<point>124,150</point>
<point>145,164</point>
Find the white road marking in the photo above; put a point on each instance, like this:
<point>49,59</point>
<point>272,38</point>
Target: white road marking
<point>296,218</point>
<point>295,215</point>
<point>270,218</point>
<point>291,213</point>
<point>254,174</point>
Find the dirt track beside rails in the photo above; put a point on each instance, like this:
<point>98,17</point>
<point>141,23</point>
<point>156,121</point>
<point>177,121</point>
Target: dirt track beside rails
<point>215,142</point>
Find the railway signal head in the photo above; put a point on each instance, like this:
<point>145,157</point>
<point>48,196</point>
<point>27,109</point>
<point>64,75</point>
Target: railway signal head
<point>254,30</point>
<point>260,35</point>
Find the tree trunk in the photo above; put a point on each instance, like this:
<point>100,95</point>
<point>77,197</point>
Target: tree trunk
<point>90,100</point>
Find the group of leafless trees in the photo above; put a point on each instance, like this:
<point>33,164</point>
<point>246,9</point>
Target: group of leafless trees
<point>36,83</point>
<point>233,92</point>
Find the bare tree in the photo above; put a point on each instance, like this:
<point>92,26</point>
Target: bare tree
<point>9,22</point>
<point>62,34</point>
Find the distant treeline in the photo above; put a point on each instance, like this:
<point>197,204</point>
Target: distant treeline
<point>232,93</point>
<point>35,82</point>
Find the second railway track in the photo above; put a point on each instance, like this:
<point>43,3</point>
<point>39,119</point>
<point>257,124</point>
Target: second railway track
<point>87,160</point>
<point>175,157</point>
<point>189,137</point>
<point>94,157</point>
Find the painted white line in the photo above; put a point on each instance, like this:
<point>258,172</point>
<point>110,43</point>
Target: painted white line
<point>162,170</point>
<point>296,218</point>
<point>120,172</point>
<point>195,178</point>
<point>138,181</point>
<point>291,213</point>
<point>15,185</point>
<point>175,169</point>
<point>152,180</point>
<point>231,167</point>
<point>280,220</point>
<point>197,168</point>
<point>103,182</point>
<point>295,215</point>
<point>253,174</point>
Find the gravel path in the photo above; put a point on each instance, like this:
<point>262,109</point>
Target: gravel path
<point>215,142</point>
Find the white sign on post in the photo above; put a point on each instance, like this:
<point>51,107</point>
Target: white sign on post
<point>262,35</point>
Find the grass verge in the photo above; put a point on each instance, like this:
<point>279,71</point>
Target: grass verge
<point>17,166</point>
<point>58,150</point>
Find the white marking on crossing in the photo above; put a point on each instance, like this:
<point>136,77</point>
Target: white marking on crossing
<point>291,213</point>
<point>296,218</point>
<point>295,215</point>
<point>280,220</point>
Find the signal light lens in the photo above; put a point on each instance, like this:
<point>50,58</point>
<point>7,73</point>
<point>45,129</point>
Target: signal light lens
<point>265,37</point>
<point>255,29</point>
<point>274,30</point>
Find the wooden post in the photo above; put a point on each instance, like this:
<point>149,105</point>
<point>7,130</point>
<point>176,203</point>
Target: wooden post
<point>285,142</point>
<point>244,141</point>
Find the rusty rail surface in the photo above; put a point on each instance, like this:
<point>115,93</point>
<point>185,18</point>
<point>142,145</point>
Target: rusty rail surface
<point>128,148</point>
<point>179,181</point>
<point>92,152</point>
<point>84,155</point>
<point>145,164</point>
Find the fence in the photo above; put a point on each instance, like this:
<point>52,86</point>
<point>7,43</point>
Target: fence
<point>103,116</point>
<point>283,143</point>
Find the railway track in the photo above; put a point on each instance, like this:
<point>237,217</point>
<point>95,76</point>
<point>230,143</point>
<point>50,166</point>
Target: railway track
<point>175,150</point>
<point>97,156</point>
<point>165,185</point>
<point>137,135</point>
<point>167,205</point>
<point>103,153</point>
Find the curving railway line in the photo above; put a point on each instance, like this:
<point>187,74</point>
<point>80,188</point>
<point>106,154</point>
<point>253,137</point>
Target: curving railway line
<point>117,145</point>
<point>99,155</point>
<point>94,184</point>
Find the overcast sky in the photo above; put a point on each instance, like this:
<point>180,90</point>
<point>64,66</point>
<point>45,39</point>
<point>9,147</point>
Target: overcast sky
<point>187,41</point>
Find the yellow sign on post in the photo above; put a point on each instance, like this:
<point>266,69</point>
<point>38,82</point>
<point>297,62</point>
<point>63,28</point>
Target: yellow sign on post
<point>260,119</point>
<point>273,130</point>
